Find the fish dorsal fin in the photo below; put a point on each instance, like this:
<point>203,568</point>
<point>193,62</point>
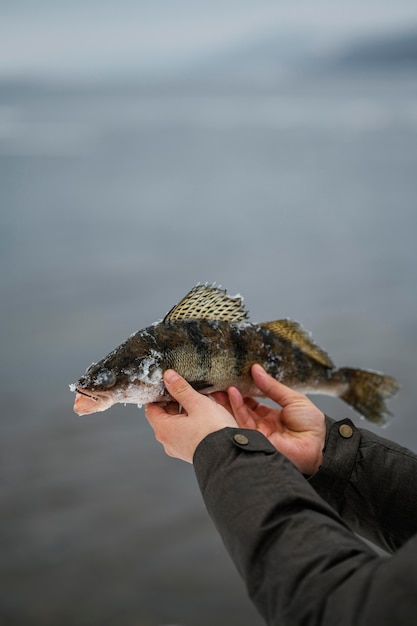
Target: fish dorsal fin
<point>208,302</point>
<point>295,333</point>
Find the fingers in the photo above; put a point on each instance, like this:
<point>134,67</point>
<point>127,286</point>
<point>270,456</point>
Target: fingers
<point>165,409</point>
<point>182,391</point>
<point>273,389</point>
<point>222,398</point>
<point>155,411</point>
<point>240,409</point>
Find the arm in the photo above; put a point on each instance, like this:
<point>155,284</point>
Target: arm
<point>300,563</point>
<point>370,482</point>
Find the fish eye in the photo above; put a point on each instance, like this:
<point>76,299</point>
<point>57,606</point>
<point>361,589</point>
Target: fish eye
<point>106,378</point>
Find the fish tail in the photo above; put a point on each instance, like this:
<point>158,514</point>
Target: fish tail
<point>367,391</point>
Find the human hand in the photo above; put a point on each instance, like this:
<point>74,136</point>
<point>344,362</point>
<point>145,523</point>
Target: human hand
<point>297,430</point>
<point>180,433</point>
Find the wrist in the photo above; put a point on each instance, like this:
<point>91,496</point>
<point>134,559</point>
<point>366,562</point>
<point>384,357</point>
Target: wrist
<point>318,462</point>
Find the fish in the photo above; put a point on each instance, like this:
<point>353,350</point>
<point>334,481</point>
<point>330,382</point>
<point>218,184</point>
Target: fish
<point>209,340</point>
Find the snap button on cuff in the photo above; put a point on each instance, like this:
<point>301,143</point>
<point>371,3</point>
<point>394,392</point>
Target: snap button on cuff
<point>242,440</point>
<point>346,431</point>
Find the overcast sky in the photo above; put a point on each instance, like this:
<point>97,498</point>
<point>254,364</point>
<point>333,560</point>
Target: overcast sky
<point>79,37</point>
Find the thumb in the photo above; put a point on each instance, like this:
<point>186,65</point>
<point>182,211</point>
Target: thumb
<point>180,390</point>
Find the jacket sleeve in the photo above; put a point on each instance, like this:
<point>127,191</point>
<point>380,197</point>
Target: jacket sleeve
<point>370,482</point>
<point>300,562</point>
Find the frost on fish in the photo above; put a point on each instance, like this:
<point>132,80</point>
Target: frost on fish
<point>208,338</point>
<point>147,383</point>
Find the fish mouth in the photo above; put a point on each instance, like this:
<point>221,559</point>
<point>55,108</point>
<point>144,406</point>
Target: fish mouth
<point>87,401</point>
<point>88,394</point>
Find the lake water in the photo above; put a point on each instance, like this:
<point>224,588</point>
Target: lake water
<point>115,202</point>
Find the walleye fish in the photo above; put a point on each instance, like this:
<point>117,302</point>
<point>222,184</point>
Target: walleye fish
<point>208,339</point>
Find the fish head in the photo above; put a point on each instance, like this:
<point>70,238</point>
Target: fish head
<point>120,378</point>
<point>95,391</point>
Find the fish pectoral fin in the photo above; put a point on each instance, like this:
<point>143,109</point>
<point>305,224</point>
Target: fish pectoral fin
<point>293,332</point>
<point>198,385</point>
<point>210,303</point>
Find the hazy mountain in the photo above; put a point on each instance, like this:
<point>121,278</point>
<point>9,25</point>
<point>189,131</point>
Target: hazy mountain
<point>392,52</point>
<point>263,64</point>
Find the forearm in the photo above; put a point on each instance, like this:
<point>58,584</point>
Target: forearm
<point>370,482</point>
<point>289,545</point>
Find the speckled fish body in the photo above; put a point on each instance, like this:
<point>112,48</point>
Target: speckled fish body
<point>208,339</point>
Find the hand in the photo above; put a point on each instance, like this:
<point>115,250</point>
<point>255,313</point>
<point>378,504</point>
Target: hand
<point>297,430</point>
<point>180,433</point>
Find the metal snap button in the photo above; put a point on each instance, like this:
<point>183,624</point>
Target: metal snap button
<point>242,440</point>
<point>346,431</point>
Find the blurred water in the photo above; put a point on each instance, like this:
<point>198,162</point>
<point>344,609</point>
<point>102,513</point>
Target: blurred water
<point>115,202</point>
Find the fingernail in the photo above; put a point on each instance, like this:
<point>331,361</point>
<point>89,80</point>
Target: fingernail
<point>171,376</point>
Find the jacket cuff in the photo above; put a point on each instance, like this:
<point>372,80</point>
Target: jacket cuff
<point>339,455</point>
<point>242,439</point>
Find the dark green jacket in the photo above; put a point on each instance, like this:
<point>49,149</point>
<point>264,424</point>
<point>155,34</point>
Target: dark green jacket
<point>291,539</point>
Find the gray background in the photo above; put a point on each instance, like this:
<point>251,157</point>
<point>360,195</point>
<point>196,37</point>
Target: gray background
<point>145,149</point>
